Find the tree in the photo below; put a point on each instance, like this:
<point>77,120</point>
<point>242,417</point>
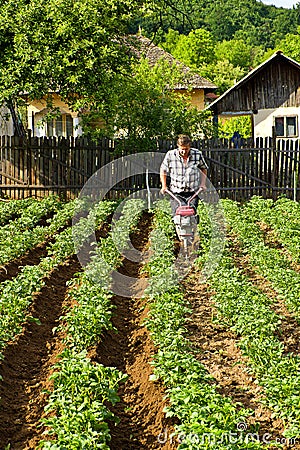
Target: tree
<point>223,74</point>
<point>81,50</point>
<point>241,125</point>
<point>147,108</point>
<point>193,50</point>
<point>70,46</point>
<point>291,45</point>
<point>170,41</point>
<point>236,51</point>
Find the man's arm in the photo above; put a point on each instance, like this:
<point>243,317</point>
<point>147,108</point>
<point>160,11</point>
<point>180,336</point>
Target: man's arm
<point>163,179</point>
<point>203,178</point>
<point>164,168</point>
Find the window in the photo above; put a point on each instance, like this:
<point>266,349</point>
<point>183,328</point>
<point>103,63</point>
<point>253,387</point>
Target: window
<point>279,126</point>
<point>62,125</point>
<point>291,129</point>
<point>286,126</point>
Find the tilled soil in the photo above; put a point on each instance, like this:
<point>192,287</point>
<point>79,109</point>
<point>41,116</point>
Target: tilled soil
<point>217,348</point>
<point>217,351</point>
<point>28,360</point>
<point>31,258</point>
<point>289,330</point>
<point>27,364</point>
<point>142,418</point>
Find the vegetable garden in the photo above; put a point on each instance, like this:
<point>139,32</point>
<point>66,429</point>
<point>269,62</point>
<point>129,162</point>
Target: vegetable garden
<point>182,363</point>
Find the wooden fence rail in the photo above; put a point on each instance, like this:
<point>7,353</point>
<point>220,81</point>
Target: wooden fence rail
<point>41,166</point>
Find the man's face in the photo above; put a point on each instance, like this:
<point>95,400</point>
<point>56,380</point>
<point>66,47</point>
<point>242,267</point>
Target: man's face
<point>184,150</point>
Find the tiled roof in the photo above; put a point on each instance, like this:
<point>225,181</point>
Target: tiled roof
<point>153,53</point>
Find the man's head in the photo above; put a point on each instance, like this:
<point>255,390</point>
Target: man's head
<point>184,144</point>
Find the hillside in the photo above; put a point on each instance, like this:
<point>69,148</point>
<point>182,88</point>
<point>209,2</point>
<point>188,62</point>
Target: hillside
<point>251,19</point>
<point>223,39</point>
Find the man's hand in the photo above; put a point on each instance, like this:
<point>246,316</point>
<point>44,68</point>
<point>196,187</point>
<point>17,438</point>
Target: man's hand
<point>163,190</point>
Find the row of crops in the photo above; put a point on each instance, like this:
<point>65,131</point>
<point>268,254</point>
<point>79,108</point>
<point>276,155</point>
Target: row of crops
<point>262,238</point>
<point>206,418</point>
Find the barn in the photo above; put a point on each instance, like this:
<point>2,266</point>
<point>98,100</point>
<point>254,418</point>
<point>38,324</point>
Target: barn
<point>270,94</point>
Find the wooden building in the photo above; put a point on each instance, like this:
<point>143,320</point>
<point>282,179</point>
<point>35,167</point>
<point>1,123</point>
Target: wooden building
<point>270,94</point>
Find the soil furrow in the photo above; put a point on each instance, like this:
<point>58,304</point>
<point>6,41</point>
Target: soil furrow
<point>31,258</point>
<point>140,409</point>
<point>217,350</point>
<point>27,364</point>
<point>289,331</point>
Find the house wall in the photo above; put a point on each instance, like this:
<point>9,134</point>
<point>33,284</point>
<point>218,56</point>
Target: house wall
<point>37,110</point>
<point>265,120</point>
<point>196,97</point>
<point>6,122</point>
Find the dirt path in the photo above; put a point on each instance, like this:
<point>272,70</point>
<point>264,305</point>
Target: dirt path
<point>218,352</point>
<point>27,364</point>
<point>289,330</point>
<point>140,410</point>
<point>32,257</point>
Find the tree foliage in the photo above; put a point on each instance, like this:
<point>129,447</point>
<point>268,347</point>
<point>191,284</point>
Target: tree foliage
<point>236,51</point>
<point>232,37</point>
<point>290,45</point>
<point>194,49</point>
<point>147,107</point>
<point>241,125</point>
<point>78,48</point>
<point>70,46</point>
<point>258,24</point>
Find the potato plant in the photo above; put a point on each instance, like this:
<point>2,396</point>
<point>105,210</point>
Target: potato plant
<point>25,231</point>
<point>268,261</point>
<point>11,209</point>
<point>204,415</point>
<point>248,311</point>
<point>83,389</point>
<point>16,294</point>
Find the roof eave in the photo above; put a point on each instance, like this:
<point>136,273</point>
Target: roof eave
<point>251,75</point>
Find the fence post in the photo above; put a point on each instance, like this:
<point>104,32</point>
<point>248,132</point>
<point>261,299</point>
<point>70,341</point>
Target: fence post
<point>274,177</point>
<point>29,159</point>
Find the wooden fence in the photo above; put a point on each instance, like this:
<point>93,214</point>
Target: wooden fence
<point>40,166</point>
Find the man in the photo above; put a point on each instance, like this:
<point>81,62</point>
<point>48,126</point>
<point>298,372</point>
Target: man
<point>187,169</point>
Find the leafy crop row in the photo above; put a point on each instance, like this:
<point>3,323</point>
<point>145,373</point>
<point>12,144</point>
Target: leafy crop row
<point>208,420</point>
<point>267,261</point>
<point>10,209</point>
<point>82,389</point>
<point>22,234</point>
<point>16,295</point>
<point>282,216</point>
<point>248,312</point>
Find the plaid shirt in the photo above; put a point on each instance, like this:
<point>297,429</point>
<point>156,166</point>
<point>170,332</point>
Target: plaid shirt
<point>184,177</point>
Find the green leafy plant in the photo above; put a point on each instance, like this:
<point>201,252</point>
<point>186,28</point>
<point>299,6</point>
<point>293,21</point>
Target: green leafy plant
<point>191,391</point>
<point>83,390</point>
